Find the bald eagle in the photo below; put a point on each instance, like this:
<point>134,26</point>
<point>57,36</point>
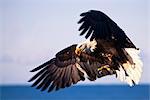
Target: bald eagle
<point>106,51</point>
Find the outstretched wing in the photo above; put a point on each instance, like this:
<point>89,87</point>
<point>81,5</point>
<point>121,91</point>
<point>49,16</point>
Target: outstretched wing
<point>111,39</point>
<point>100,26</point>
<point>65,69</point>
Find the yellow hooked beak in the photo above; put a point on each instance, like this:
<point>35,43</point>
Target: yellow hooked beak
<point>78,51</point>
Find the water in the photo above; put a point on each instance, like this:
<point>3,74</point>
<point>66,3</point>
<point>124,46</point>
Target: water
<point>93,92</point>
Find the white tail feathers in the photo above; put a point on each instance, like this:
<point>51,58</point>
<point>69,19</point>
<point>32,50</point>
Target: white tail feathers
<point>131,73</point>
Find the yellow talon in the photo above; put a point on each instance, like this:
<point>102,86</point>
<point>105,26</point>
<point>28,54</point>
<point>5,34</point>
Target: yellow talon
<point>104,67</point>
<point>108,69</point>
<point>100,68</point>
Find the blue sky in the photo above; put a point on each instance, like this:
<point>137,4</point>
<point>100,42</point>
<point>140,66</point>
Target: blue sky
<point>33,31</point>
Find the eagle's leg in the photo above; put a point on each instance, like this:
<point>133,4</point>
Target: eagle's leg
<point>105,70</point>
<point>104,67</point>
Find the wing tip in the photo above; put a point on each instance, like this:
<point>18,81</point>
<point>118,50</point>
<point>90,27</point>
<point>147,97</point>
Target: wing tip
<point>33,70</point>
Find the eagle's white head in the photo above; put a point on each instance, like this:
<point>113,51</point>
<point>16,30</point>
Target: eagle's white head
<point>86,46</point>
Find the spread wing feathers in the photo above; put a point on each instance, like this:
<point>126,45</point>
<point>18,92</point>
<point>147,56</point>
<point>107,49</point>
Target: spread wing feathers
<point>99,26</point>
<point>131,70</point>
<point>64,70</point>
